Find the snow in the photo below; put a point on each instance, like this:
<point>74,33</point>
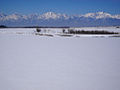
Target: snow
<point>49,15</point>
<point>52,15</point>
<point>56,32</point>
<point>24,31</point>
<point>31,62</point>
<point>57,19</point>
<point>100,15</point>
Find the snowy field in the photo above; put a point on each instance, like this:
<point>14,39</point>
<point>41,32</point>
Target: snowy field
<point>32,62</point>
<point>58,32</point>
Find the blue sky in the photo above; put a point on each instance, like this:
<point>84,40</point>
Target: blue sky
<point>59,6</point>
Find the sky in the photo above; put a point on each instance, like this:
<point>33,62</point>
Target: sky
<point>59,6</point>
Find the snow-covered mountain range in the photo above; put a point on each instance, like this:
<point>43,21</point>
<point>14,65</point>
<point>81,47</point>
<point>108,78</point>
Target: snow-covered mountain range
<point>56,19</point>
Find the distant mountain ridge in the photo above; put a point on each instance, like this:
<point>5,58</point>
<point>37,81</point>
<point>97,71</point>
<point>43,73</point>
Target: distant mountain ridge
<point>56,19</point>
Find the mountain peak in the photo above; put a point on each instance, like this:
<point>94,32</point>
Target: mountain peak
<point>98,15</point>
<point>2,14</point>
<point>61,19</point>
<point>49,15</point>
<point>100,12</point>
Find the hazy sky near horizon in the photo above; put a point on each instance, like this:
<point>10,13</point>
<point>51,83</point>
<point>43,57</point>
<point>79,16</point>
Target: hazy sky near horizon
<point>59,6</point>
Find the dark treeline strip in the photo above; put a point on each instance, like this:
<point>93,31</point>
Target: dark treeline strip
<point>3,26</point>
<point>89,32</point>
<point>45,27</point>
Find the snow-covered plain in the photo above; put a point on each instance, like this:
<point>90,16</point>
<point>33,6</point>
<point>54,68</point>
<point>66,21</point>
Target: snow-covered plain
<point>59,31</point>
<point>32,62</point>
